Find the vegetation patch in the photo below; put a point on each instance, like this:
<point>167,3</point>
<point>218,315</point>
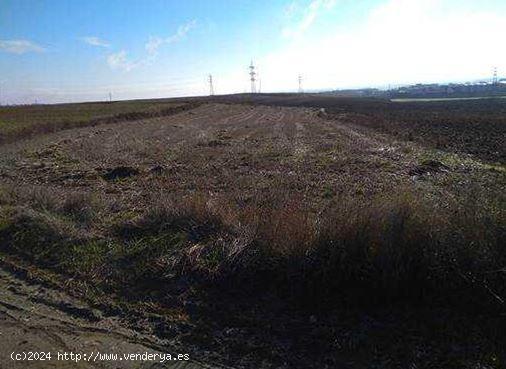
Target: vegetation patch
<point>295,239</point>
<point>25,121</point>
<point>120,172</point>
<point>396,248</point>
<point>428,167</point>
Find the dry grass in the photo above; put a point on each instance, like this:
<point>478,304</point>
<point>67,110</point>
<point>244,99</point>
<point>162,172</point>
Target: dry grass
<point>24,121</point>
<point>394,248</point>
<point>306,221</point>
<point>258,219</point>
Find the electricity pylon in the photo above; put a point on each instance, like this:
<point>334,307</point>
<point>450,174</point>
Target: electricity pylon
<point>252,75</point>
<point>211,87</point>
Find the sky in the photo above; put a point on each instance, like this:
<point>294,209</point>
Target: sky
<point>68,51</point>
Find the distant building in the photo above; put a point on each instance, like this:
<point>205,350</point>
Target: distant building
<point>432,90</point>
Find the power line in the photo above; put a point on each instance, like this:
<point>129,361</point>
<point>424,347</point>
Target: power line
<point>110,97</point>
<point>252,75</point>
<point>211,88</point>
<point>300,84</point>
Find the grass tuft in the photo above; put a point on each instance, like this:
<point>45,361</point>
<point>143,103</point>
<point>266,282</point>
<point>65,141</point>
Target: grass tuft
<point>397,247</point>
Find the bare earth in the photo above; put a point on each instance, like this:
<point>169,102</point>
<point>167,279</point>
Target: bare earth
<point>229,152</point>
<point>217,148</point>
<point>35,318</point>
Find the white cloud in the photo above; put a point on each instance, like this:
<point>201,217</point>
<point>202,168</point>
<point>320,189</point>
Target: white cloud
<point>20,46</point>
<point>306,16</point>
<point>181,32</point>
<point>95,41</point>
<point>156,42</point>
<point>400,41</point>
<point>153,45</point>
<point>291,9</point>
<point>120,61</point>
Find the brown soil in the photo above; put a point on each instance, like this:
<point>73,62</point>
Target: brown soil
<point>238,152</point>
<point>35,317</point>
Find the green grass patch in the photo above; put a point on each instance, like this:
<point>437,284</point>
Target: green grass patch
<point>23,121</point>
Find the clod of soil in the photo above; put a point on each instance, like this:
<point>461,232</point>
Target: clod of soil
<point>214,143</point>
<point>157,169</point>
<point>429,166</point>
<point>120,172</point>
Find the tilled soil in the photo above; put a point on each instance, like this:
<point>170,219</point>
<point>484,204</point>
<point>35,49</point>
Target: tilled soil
<point>215,148</point>
<point>239,152</point>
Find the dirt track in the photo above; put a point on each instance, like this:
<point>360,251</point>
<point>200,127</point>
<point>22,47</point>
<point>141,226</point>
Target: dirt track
<point>35,318</point>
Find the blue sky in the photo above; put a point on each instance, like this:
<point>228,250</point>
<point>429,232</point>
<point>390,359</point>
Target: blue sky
<point>60,51</point>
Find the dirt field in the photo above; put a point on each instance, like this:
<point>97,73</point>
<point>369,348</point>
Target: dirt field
<point>35,317</point>
<point>18,122</point>
<point>215,148</point>
<point>275,169</point>
<point>474,128</point>
<point>239,150</point>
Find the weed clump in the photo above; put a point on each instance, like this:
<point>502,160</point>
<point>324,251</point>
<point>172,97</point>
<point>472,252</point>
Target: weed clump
<point>78,206</point>
<point>398,247</point>
<point>40,237</point>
